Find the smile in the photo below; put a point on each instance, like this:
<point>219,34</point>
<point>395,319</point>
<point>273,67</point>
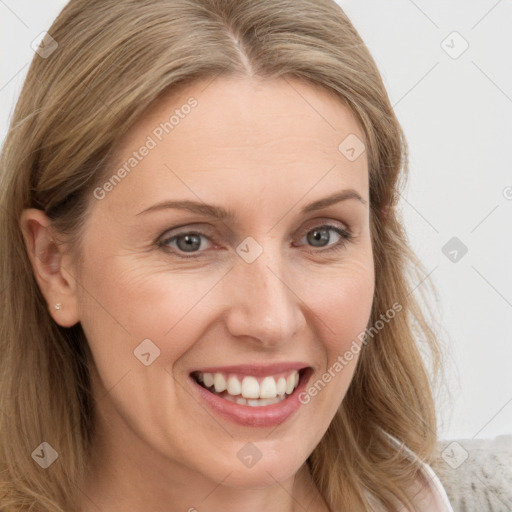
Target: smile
<point>252,396</point>
<point>249,390</point>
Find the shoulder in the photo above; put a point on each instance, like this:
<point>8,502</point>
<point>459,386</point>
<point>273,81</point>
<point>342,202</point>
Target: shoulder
<point>428,493</point>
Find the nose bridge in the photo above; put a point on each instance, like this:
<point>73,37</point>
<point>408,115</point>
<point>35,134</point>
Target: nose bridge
<point>264,306</point>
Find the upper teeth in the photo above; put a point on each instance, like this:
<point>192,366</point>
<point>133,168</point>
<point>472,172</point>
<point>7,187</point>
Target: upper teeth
<point>251,387</point>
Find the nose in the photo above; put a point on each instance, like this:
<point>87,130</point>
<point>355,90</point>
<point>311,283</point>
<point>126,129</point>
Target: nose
<point>264,300</point>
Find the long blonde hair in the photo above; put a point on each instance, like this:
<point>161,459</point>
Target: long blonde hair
<point>112,61</point>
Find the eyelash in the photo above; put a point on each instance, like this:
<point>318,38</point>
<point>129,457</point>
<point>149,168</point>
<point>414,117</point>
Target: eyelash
<point>346,238</point>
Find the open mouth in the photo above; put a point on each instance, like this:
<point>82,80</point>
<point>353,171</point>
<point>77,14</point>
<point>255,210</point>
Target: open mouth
<point>251,390</point>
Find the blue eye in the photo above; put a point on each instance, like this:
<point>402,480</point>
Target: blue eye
<point>321,234</point>
<point>189,242</point>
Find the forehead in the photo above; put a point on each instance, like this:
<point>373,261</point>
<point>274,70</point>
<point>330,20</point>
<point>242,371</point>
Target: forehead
<point>238,136</point>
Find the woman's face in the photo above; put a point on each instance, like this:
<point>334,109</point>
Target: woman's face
<point>170,294</point>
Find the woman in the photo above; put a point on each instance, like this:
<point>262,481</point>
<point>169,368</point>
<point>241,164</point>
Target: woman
<point>206,293</point>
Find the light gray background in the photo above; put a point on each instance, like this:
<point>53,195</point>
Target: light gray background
<point>457,115</point>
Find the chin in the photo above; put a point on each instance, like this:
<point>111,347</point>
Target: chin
<point>273,466</point>
<point>264,477</point>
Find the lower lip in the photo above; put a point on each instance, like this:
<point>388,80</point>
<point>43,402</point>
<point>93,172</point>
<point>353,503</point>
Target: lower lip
<point>263,416</point>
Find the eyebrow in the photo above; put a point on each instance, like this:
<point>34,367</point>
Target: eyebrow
<point>221,213</point>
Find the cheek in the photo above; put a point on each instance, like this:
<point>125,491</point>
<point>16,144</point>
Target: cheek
<point>126,302</point>
<point>343,302</point>
<point>343,307</point>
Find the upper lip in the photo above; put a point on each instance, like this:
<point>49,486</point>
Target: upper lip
<point>254,369</point>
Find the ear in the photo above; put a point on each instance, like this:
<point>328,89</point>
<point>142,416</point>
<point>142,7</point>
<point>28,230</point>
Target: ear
<point>51,269</point>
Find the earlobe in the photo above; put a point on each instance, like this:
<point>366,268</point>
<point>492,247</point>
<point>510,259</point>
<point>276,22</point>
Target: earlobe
<point>46,257</point>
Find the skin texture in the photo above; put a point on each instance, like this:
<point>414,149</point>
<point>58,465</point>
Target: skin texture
<point>263,149</point>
